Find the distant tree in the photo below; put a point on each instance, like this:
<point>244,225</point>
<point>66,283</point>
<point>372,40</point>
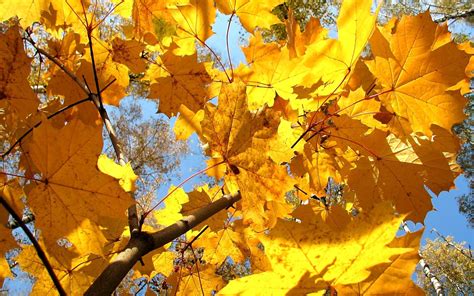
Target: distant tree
<point>150,145</point>
<point>453,264</point>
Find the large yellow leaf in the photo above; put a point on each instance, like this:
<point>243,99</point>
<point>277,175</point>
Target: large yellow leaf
<point>333,60</point>
<point>179,80</point>
<point>75,274</point>
<point>203,196</point>
<point>240,139</point>
<point>271,72</point>
<point>187,123</point>
<point>313,255</point>
<point>398,171</point>
<point>415,68</point>
<point>173,204</point>
<point>72,194</point>
<point>394,277</point>
<point>124,174</point>
<point>194,24</point>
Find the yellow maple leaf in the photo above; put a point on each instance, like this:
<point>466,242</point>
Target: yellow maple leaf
<point>394,277</point>
<point>124,174</point>
<point>17,99</point>
<point>179,80</point>
<point>75,274</point>
<point>399,171</point>
<point>241,138</point>
<point>271,72</point>
<point>128,52</point>
<point>251,13</point>
<point>187,123</point>
<point>414,74</point>
<point>358,106</point>
<point>194,21</point>
<point>300,266</point>
<point>173,204</point>
<point>331,60</point>
<point>201,197</point>
<point>71,186</point>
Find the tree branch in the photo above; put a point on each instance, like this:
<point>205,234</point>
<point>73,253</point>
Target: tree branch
<point>97,98</point>
<point>38,124</point>
<point>143,243</point>
<point>462,14</point>
<point>60,65</point>
<point>36,245</point>
<point>25,219</point>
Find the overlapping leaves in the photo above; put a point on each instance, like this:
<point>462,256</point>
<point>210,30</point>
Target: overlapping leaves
<point>310,113</point>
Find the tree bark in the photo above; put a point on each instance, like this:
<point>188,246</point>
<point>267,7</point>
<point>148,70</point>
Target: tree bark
<point>143,243</point>
<point>426,268</point>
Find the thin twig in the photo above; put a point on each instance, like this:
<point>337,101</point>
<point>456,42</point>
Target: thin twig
<point>97,99</point>
<point>195,238</point>
<point>60,65</point>
<point>38,124</point>
<point>451,244</point>
<point>36,245</point>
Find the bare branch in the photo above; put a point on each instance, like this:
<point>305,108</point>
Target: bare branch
<point>462,14</point>
<point>36,245</point>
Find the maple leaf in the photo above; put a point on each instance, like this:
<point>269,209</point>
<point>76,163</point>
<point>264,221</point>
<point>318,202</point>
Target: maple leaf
<point>200,279</point>
<point>394,277</point>
<point>251,13</point>
<point>299,266</point>
<point>179,80</point>
<point>194,24</point>
<point>399,171</point>
<point>17,99</point>
<point>332,60</point>
<point>151,20</point>
<point>271,72</point>
<point>203,196</point>
<point>173,204</point>
<point>299,40</point>
<point>128,52</point>
<point>74,273</point>
<point>187,123</point>
<point>237,137</point>
<point>76,193</point>
<point>415,69</point>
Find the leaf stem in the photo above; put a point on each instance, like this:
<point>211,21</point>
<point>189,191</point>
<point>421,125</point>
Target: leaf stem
<point>228,47</point>
<point>36,245</point>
